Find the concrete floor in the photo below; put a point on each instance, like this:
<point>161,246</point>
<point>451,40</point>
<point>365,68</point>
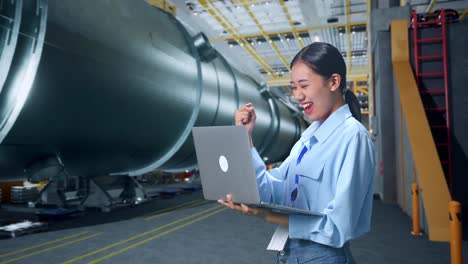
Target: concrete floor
<point>187,229</point>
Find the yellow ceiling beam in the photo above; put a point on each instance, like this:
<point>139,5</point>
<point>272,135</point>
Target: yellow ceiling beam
<point>431,6</point>
<point>370,67</point>
<point>286,79</point>
<point>361,89</point>
<point>362,80</point>
<point>357,75</point>
<point>245,44</point>
<point>265,35</point>
<point>163,5</point>
<point>291,23</point>
<point>289,31</point>
<point>463,14</point>
<point>351,77</point>
<point>360,68</point>
<point>281,81</point>
<point>360,73</point>
<point>348,34</point>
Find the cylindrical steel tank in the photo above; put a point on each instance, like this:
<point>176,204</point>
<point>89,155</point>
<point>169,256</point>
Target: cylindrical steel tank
<point>118,88</point>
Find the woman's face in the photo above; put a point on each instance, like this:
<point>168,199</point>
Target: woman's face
<point>317,95</point>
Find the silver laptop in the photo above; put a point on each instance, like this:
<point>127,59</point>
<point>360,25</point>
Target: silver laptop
<point>226,167</point>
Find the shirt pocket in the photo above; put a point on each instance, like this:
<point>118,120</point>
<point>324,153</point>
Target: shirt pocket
<point>310,179</point>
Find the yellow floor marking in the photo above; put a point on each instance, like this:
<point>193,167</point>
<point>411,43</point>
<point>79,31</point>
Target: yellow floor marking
<point>139,235</point>
<point>154,237</point>
<point>40,245</point>
<point>49,249</point>
<point>173,209</point>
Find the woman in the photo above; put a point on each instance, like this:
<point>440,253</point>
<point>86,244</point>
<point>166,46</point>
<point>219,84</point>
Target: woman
<point>330,169</point>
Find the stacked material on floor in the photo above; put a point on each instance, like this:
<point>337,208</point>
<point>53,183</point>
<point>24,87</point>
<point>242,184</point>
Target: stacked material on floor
<point>21,228</point>
<point>24,194</point>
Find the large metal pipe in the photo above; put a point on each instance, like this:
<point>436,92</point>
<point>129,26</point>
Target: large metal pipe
<point>119,93</point>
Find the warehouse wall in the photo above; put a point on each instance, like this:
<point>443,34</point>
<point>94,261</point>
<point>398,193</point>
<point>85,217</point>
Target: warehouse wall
<point>458,80</point>
<point>405,174</point>
<point>458,96</point>
<point>384,114</point>
<point>383,78</point>
<point>395,181</point>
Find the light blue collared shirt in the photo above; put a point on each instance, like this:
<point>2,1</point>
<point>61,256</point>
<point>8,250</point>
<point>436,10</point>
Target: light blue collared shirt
<point>335,178</point>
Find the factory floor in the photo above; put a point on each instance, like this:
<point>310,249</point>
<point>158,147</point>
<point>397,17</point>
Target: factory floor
<point>187,229</point>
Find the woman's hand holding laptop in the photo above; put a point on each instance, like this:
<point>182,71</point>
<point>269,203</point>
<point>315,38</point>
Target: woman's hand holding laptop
<point>268,216</point>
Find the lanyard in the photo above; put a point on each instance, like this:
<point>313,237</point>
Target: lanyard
<point>296,179</point>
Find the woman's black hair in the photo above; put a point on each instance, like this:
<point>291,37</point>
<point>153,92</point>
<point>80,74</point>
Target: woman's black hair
<point>324,59</point>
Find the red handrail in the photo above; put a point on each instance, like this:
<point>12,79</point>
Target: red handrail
<point>447,100</point>
<point>439,21</point>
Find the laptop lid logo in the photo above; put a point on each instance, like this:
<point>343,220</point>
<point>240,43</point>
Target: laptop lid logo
<point>223,163</point>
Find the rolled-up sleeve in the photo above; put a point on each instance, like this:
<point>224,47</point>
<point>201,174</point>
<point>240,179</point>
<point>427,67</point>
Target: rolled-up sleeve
<point>348,214</point>
<point>271,182</point>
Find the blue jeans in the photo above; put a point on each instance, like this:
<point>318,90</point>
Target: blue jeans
<point>303,251</point>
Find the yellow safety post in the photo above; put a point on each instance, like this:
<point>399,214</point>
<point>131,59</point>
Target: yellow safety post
<point>415,193</point>
<point>455,232</point>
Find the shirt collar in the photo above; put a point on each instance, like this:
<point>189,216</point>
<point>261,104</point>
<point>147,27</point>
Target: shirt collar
<point>321,131</point>
<point>308,134</point>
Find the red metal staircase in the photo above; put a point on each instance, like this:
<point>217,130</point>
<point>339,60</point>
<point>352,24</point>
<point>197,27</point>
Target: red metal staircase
<point>431,71</point>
